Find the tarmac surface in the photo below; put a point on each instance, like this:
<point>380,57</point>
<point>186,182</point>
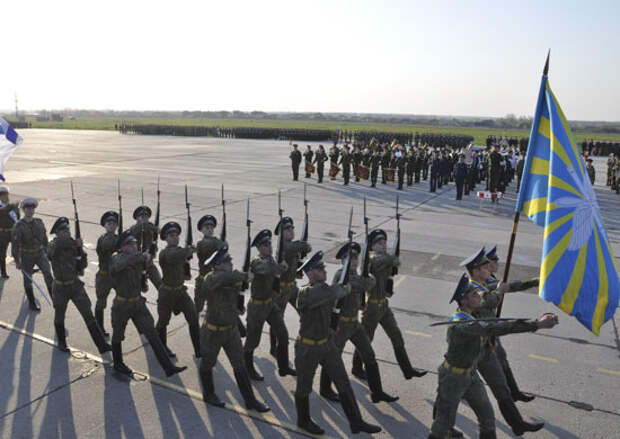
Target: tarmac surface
<point>45,393</point>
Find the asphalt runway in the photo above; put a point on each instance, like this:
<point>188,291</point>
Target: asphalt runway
<point>48,394</point>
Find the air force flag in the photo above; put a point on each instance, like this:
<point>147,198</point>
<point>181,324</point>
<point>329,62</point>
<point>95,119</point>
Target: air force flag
<point>9,141</point>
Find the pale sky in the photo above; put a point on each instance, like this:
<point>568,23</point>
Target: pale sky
<point>480,58</point>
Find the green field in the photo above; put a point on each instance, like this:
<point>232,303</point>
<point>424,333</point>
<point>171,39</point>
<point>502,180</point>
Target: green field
<point>479,134</point>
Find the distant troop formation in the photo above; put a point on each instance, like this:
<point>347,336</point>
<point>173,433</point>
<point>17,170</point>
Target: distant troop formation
<point>329,312</point>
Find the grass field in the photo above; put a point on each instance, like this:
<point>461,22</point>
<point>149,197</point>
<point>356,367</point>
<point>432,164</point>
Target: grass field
<point>479,134</point>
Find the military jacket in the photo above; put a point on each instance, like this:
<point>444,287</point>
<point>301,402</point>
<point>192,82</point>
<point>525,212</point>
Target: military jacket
<point>466,341</point>
<point>265,269</point>
<point>126,270</point>
<point>315,303</point>
<point>308,156</point>
<point>320,158</point>
<point>375,160</point>
<point>7,214</point>
<point>359,285</point>
<point>381,268</point>
<point>105,247</point>
<point>333,155</point>
<point>150,231</point>
<point>28,236</point>
<point>295,157</point>
<point>171,260</point>
<point>345,159</point>
<point>205,248</point>
<point>495,160</point>
<point>62,253</point>
<point>292,251</point>
<point>221,289</point>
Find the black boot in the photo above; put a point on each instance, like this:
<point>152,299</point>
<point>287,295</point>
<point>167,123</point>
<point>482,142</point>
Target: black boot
<point>517,395</point>
<point>245,387</point>
<point>303,416</point>
<point>249,365</point>
<point>284,368</point>
<point>162,356</point>
<point>31,302</point>
<point>358,368</point>
<point>163,336</point>
<point>403,361</point>
<point>513,418</point>
<point>374,384</point>
<point>326,387</point>
<point>208,389</point>
<point>273,349</point>
<point>117,356</point>
<point>62,338</point>
<point>351,409</point>
<point>99,319</point>
<point>194,333</point>
<point>97,336</point>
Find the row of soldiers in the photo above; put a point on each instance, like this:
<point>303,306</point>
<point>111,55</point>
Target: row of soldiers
<point>329,313</point>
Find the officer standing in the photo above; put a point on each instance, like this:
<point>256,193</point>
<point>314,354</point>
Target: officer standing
<point>204,249</point>
<point>378,311</point>
<point>106,245</point>
<point>9,215</point>
<point>222,287</point>
<point>308,154</point>
<point>145,233</point>
<point>348,327</point>
<point>28,244</point>
<point>295,157</point>
<point>315,345</point>
<point>126,267</point>
<point>64,255</point>
<point>262,308</point>
<point>375,162</point>
<point>320,158</point>
<point>460,172</point>
<point>173,297</point>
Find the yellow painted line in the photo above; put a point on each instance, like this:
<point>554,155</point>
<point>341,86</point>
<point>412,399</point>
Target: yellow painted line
<point>436,256</point>
<point>610,372</point>
<point>399,281</point>
<point>267,418</point>
<point>541,358</point>
<point>419,334</point>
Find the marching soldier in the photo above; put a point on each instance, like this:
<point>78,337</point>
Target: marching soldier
<point>292,251</point>
<point>28,244</point>
<point>262,308</point>
<point>295,157</point>
<point>345,161</point>
<point>378,311</point>
<point>308,160</point>
<point>458,378</point>
<point>221,288</point>
<point>9,215</point>
<point>204,249</point>
<point>320,158</point>
<point>126,270</point>
<point>173,297</point>
<point>315,345</point>
<point>63,252</point>
<point>106,245</point>
<point>145,233</point>
<point>349,328</point>
<point>489,365</point>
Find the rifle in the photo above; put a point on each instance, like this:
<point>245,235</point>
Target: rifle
<point>488,319</point>
<point>189,239</point>
<point>120,207</point>
<point>304,234</point>
<point>389,287</point>
<point>248,247</point>
<point>144,286</point>
<point>366,249</point>
<point>154,246</point>
<point>142,196</point>
<point>344,275</point>
<point>280,246</point>
<point>223,232</point>
<point>80,259</point>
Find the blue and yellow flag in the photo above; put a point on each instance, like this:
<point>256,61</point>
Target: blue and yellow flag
<point>578,272</point>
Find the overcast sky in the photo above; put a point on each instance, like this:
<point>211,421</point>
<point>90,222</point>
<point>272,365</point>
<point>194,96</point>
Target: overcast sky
<point>480,58</point>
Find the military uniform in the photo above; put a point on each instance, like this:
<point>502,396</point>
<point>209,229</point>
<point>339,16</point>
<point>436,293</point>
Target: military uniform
<point>204,249</point>
<point>308,160</point>
<point>357,157</point>
<point>295,157</point>
<point>9,215</point>
<point>28,244</point>
<point>148,232</point>
<point>173,297</point>
<point>315,345</point>
<point>63,253</point>
<point>345,161</point>
<point>460,172</point>
<point>320,158</point>
<point>435,176</point>
<point>126,271</point>
<point>400,162</point>
<point>106,245</point>
<point>219,330</point>
<point>495,160</point>
<point>375,162</point>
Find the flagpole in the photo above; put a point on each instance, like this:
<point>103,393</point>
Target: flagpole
<point>515,223</point>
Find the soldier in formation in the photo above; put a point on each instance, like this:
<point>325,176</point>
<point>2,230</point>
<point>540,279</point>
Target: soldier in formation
<point>9,215</point>
<point>106,246</point>
<point>204,249</point>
